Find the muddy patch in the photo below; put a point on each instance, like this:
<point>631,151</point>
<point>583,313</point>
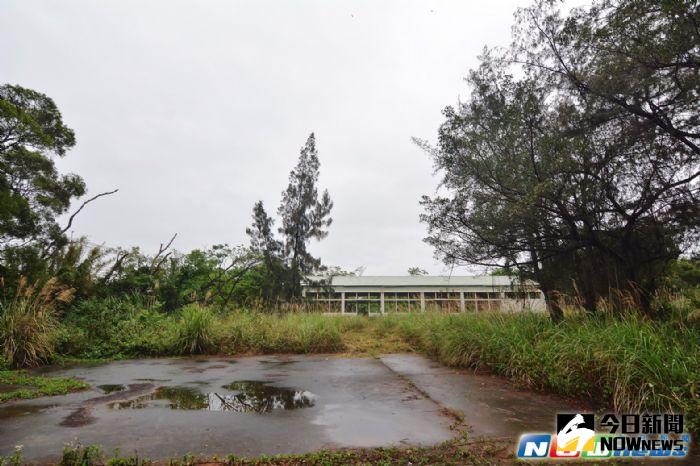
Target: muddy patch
<point>7,388</point>
<point>111,387</point>
<point>78,418</point>
<point>19,410</point>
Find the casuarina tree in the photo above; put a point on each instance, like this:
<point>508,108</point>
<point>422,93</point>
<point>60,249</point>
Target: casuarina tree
<point>264,244</point>
<point>305,215</point>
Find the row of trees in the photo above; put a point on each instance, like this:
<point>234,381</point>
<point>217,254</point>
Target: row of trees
<point>575,160</point>
<point>34,246</point>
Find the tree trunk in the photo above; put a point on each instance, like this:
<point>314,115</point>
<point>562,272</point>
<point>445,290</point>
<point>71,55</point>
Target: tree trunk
<point>551,298</point>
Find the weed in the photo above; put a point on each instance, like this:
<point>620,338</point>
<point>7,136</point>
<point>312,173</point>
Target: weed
<point>28,324</point>
<point>195,330</point>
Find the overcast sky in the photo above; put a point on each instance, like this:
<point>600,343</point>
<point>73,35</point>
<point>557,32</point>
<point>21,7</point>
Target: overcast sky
<point>197,109</point>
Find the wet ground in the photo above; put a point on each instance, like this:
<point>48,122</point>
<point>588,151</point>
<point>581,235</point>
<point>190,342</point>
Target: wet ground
<point>250,406</point>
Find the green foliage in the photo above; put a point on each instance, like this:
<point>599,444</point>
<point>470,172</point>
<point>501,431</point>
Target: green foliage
<point>250,332</point>
<point>80,455</point>
<point>575,158</point>
<point>36,386</point>
<point>28,323</point>
<point>195,330</point>
<point>303,216</point>
<point>682,274</point>
<point>32,193</point>
<point>13,459</point>
<point>117,327</point>
<point>629,364</point>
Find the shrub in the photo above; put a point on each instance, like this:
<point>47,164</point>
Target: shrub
<point>13,459</point>
<point>195,330</point>
<point>28,324</point>
<point>117,327</point>
<point>79,455</point>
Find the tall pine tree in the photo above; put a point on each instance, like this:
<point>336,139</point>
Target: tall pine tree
<point>264,243</point>
<point>304,216</point>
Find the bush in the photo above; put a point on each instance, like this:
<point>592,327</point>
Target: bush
<point>79,455</point>
<point>117,327</point>
<point>195,331</point>
<point>28,324</point>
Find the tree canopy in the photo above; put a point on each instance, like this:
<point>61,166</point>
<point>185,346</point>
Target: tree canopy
<point>32,192</point>
<point>548,169</point>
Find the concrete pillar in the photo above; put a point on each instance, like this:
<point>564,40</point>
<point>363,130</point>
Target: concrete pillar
<point>381,300</point>
<point>461,301</point>
<point>422,301</point>
<point>342,302</point>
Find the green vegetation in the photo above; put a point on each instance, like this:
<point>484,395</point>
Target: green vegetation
<point>195,330</point>
<point>28,324</point>
<point>457,451</point>
<point>24,386</point>
<point>575,158</point>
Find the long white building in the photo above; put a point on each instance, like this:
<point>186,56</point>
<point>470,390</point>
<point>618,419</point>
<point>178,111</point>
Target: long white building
<point>387,294</point>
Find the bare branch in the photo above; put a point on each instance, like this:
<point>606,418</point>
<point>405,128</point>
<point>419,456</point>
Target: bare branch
<point>158,260</point>
<point>70,219</point>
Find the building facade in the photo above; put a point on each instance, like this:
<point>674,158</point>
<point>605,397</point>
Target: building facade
<point>394,294</point>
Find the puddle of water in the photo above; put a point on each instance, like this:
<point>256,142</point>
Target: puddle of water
<point>111,387</point>
<point>283,362</point>
<point>259,396</point>
<point>249,396</point>
<point>14,411</point>
<point>171,397</point>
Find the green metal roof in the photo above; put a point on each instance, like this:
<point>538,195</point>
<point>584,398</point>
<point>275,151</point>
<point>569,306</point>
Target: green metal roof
<point>420,281</point>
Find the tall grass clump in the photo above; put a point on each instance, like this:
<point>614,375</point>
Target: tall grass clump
<point>28,324</point>
<point>625,363</point>
<point>195,330</point>
<point>253,332</point>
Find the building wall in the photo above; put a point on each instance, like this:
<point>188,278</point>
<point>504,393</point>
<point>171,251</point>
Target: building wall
<point>384,300</point>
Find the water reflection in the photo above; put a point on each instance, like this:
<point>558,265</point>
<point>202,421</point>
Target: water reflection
<point>262,397</point>
<point>247,396</point>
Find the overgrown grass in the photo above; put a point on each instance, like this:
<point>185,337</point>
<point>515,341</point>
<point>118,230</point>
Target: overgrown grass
<point>195,331</point>
<point>28,324</point>
<point>27,386</point>
<point>624,363</point>
<point>245,332</point>
<point>628,364</point>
